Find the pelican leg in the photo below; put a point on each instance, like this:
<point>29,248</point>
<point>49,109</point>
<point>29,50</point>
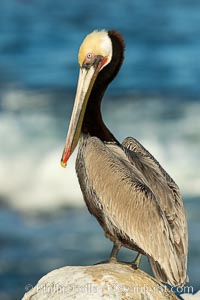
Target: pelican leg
<point>114,252</point>
<point>113,255</point>
<point>137,260</point>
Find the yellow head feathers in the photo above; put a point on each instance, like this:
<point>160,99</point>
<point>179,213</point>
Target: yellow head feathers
<point>98,43</point>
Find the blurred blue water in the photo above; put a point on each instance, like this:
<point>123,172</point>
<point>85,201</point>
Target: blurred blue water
<point>39,41</point>
<point>155,98</point>
<point>33,246</point>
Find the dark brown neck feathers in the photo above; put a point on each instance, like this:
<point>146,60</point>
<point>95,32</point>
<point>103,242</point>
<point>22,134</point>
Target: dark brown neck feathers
<point>93,122</point>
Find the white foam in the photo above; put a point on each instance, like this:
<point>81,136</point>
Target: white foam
<point>32,183</point>
<point>32,179</point>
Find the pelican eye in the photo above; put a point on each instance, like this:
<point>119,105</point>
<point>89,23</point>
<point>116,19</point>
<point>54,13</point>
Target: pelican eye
<point>89,55</point>
<point>89,60</point>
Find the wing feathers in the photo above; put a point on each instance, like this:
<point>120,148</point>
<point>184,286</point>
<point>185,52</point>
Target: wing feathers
<point>126,190</point>
<point>169,197</point>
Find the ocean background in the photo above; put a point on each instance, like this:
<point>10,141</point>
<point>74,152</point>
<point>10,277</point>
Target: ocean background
<point>44,223</point>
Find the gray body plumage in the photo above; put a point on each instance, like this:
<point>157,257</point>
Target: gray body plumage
<point>136,202</point>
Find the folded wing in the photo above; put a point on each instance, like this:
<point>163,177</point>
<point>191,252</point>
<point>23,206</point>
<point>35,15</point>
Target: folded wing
<point>135,204</point>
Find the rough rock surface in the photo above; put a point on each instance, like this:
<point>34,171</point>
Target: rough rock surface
<point>104,281</point>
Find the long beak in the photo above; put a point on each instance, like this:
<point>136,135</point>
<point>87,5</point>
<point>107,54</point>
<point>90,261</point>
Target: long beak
<point>86,81</point>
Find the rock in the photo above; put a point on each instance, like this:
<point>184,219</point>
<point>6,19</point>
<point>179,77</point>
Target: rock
<point>103,281</point>
<point>191,296</point>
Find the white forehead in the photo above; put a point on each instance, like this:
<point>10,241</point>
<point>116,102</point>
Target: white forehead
<point>97,42</point>
<point>105,41</point>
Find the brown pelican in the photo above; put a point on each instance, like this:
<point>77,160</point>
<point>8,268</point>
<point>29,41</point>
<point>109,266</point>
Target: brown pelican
<point>133,198</point>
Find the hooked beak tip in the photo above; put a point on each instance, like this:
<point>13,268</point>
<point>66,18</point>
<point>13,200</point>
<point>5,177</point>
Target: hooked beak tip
<point>65,157</point>
<point>63,164</point>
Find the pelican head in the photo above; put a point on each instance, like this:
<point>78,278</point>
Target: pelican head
<point>94,54</point>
